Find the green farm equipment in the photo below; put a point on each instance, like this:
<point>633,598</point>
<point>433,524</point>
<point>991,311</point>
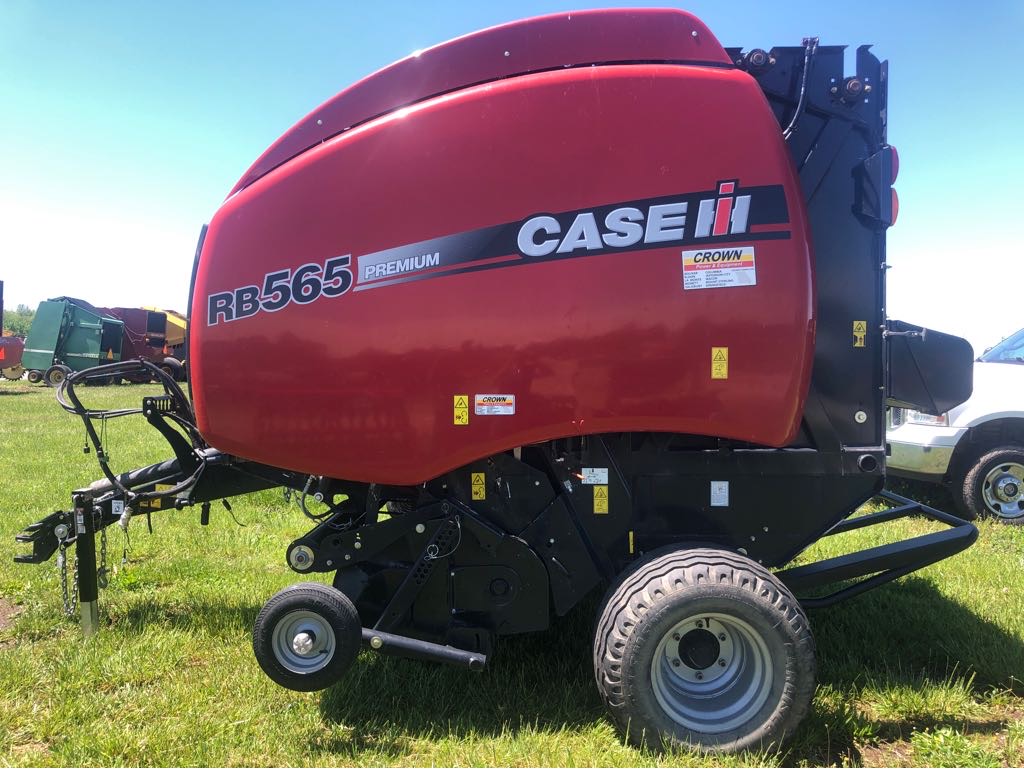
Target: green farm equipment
<point>69,335</point>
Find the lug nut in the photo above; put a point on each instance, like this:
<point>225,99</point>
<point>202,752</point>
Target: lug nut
<point>676,636</point>
<point>721,663</point>
<point>721,636</point>
<point>699,623</point>
<point>700,676</point>
<point>676,663</point>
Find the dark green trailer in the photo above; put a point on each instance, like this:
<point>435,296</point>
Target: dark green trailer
<point>69,335</point>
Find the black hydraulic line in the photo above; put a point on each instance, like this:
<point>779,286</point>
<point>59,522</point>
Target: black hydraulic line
<point>810,47</point>
<point>181,406</point>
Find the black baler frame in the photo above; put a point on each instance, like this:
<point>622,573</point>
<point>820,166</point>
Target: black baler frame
<point>224,476</point>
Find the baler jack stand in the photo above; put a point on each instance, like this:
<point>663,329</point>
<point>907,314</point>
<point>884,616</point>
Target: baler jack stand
<point>85,549</point>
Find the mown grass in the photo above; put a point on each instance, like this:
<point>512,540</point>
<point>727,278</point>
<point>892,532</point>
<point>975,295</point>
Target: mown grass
<point>924,672</point>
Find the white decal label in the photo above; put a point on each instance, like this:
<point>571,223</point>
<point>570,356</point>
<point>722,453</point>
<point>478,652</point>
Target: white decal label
<point>719,493</point>
<point>117,506</point>
<point>495,405</point>
<point>595,476</point>
<point>719,268</point>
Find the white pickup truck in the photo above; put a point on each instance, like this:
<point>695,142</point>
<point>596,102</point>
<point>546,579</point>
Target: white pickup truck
<point>977,448</point>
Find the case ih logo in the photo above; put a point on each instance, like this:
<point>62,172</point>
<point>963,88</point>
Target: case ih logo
<point>725,215</point>
<point>637,225</point>
<point>715,216</point>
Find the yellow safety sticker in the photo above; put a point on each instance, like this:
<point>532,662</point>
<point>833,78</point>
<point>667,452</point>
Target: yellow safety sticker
<point>860,332</point>
<point>461,409</point>
<point>719,362</point>
<point>600,500</point>
<point>156,504</point>
<point>479,486</point>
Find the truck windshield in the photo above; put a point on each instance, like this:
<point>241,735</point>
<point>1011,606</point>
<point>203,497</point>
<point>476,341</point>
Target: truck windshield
<point>1010,350</point>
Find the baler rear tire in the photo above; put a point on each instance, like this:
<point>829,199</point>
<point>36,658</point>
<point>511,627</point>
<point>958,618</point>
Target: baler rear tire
<point>56,374</point>
<point>765,653</point>
<point>308,607</point>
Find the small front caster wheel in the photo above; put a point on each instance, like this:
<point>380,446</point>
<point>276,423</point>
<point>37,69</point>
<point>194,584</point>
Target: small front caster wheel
<point>307,636</point>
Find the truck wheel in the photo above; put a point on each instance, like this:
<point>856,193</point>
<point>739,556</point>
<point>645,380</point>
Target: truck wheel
<point>35,376</point>
<point>173,368</point>
<point>993,486</point>
<point>704,648</point>
<point>56,374</point>
<point>307,636</point>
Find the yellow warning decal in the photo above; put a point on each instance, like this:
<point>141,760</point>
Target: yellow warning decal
<point>860,331</point>
<point>478,485</point>
<point>600,500</point>
<point>156,504</point>
<point>461,403</point>
<point>719,362</point>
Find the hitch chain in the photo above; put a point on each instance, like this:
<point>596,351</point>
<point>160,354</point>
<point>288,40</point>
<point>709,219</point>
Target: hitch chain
<point>70,602</point>
<point>69,596</point>
<point>101,574</point>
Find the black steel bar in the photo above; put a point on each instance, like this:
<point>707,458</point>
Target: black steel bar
<point>85,552</point>
<point>921,550</point>
<point>415,649</point>
<point>861,521</point>
<point>856,589</point>
<point>885,562</point>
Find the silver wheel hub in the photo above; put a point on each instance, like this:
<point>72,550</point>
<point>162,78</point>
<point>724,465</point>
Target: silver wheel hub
<point>1003,490</point>
<point>712,673</point>
<point>303,642</point>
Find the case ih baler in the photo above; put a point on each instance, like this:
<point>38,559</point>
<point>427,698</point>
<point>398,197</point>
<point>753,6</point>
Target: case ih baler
<point>596,304</point>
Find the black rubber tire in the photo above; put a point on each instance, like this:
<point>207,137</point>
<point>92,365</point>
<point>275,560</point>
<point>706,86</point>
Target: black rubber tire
<point>56,374</point>
<point>671,585</point>
<point>35,376</point>
<point>968,491</point>
<point>173,367</point>
<point>335,608</point>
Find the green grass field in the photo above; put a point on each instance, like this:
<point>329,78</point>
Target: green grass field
<point>928,671</point>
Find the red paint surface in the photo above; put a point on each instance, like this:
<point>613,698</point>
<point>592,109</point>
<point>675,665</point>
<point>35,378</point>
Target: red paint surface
<point>11,348</point>
<point>588,345</point>
<point>531,45</point>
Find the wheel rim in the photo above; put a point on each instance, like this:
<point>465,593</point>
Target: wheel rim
<point>14,373</point>
<point>711,673</point>
<point>56,377</point>
<point>303,642</point>
<point>1003,490</point>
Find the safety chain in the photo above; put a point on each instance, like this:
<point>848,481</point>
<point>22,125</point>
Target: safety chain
<point>101,574</point>
<point>70,600</point>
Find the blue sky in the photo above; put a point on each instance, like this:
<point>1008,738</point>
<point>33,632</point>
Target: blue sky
<point>123,125</point>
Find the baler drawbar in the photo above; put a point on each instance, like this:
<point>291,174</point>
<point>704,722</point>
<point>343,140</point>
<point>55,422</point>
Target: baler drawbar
<point>627,333</point>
